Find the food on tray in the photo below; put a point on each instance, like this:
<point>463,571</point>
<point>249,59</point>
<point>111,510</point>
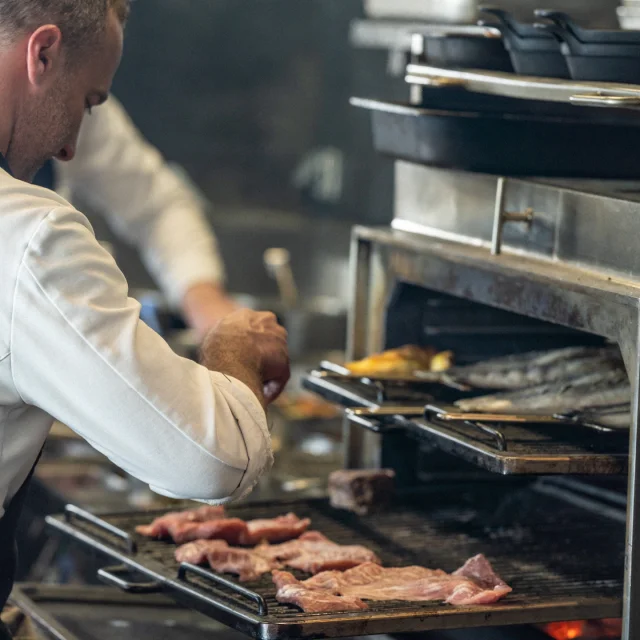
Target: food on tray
<point>540,367</point>
<point>601,389</point>
<point>245,563</point>
<point>313,552</point>
<point>230,529</point>
<point>274,529</point>
<point>165,526</point>
<point>402,361</point>
<point>306,407</point>
<point>212,525</point>
<point>292,591</point>
<point>475,583</point>
<point>361,490</point>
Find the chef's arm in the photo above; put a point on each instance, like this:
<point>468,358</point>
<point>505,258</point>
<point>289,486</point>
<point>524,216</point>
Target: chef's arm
<point>80,352</point>
<point>150,206</point>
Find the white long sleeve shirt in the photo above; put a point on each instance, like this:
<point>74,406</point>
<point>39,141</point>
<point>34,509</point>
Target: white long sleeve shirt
<point>72,347</point>
<point>145,202</point>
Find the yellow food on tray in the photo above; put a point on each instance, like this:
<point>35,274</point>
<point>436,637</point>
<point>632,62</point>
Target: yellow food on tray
<point>402,361</point>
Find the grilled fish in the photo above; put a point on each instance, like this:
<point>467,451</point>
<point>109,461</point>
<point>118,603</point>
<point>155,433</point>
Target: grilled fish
<point>529,369</point>
<point>598,389</point>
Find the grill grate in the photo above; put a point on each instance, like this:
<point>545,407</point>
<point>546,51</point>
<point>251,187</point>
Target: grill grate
<point>523,448</point>
<point>562,561</point>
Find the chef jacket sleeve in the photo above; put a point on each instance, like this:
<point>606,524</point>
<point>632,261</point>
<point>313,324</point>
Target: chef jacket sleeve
<point>81,353</point>
<point>144,200</point>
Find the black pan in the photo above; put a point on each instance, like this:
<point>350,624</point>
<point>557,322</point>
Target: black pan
<point>532,51</point>
<point>589,36</point>
<point>572,145</point>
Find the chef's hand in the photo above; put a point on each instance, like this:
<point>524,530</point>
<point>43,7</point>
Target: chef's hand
<point>204,305</point>
<point>252,347</point>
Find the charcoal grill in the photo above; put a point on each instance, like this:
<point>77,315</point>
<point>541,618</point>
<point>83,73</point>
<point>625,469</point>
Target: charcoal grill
<point>426,527</point>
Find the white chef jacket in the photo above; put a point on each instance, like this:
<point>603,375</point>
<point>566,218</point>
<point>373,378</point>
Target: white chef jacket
<point>145,202</point>
<point>73,348</point>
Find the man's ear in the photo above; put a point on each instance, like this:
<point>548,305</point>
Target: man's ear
<point>44,54</point>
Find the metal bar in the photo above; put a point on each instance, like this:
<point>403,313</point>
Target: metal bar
<point>71,512</point>
<point>186,568</point>
<point>357,339</point>
<point>631,593</point>
<point>110,575</point>
<point>601,94</point>
<point>496,434</point>
<point>496,239</point>
<point>41,617</point>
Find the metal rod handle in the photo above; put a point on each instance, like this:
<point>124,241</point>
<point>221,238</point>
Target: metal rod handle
<point>72,512</point>
<point>599,100</point>
<point>186,568</point>
<point>112,576</point>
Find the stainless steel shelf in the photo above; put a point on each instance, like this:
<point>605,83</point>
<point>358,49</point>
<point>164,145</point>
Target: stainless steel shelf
<point>591,94</point>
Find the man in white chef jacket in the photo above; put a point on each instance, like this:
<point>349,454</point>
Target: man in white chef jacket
<point>149,206</point>
<point>72,346</point>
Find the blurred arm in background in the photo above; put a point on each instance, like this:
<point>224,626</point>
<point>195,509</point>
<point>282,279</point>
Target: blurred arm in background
<point>151,207</point>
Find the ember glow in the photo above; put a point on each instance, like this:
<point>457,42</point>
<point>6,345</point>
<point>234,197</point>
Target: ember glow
<point>584,630</point>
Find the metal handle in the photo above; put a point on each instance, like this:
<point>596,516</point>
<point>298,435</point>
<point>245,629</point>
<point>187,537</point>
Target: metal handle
<point>186,568</point>
<point>599,100</point>
<point>72,512</point>
<point>367,412</point>
<point>501,217</point>
<point>111,576</point>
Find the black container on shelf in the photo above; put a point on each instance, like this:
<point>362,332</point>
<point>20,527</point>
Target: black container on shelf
<point>595,55</point>
<point>532,51</point>
<point>459,50</point>
<point>589,36</point>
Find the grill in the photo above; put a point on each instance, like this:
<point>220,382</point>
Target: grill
<point>510,522</point>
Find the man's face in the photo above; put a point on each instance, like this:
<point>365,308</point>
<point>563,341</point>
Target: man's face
<point>50,114</point>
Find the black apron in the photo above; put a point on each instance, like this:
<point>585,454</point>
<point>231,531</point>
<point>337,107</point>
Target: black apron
<point>9,522</point>
<point>8,547</point>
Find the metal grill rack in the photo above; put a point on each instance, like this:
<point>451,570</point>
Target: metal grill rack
<point>554,446</point>
<point>548,550</point>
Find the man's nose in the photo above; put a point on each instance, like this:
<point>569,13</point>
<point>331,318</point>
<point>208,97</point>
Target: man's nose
<point>66,153</point>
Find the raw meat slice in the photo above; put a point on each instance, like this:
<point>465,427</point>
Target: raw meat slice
<point>209,523</point>
<point>247,564</point>
<point>229,529</point>
<point>361,490</point>
<point>313,552</point>
<point>474,583</point>
<point>160,527</point>
<point>291,591</point>
<point>274,530</point>
<point>196,552</point>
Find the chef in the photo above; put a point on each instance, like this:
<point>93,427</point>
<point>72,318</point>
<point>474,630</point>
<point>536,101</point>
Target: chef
<point>72,346</point>
<point>150,207</point>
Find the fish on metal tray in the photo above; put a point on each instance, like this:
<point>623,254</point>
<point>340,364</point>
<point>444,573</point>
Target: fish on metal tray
<point>600,389</point>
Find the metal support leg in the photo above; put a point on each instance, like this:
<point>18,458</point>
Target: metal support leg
<point>631,599</point>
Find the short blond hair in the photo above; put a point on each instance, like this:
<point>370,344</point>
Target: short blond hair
<point>80,21</point>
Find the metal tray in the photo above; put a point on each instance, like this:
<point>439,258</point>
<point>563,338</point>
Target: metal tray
<point>440,134</point>
<point>563,562</point>
<point>536,448</point>
<point>550,445</point>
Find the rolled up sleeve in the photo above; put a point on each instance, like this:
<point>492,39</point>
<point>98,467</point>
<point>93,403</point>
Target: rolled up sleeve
<point>81,353</point>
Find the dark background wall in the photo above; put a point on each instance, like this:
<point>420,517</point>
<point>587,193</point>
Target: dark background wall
<point>241,93</point>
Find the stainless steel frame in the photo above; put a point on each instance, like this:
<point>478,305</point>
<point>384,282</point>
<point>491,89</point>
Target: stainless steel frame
<point>565,283</point>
